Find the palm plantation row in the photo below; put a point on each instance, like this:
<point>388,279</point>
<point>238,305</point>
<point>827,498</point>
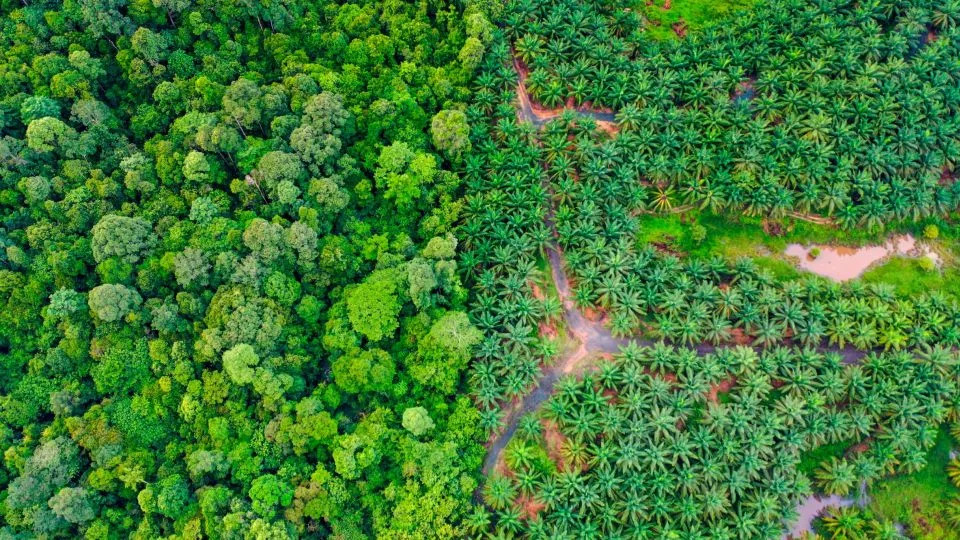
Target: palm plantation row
<point>646,452</point>
<point>512,178</point>
<point>708,300</point>
<point>845,109</point>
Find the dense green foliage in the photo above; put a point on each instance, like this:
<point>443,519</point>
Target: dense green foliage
<point>839,113</point>
<point>842,108</point>
<point>705,298</point>
<point>519,175</point>
<point>235,255</point>
<point>644,451</point>
<point>230,300</point>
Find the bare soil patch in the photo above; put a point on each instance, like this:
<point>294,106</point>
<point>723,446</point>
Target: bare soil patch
<point>530,507</point>
<point>548,330</point>
<point>722,387</point>
<point>610,128</point>
<point>554,441</point>
<point>680,28</point>
<point>947,177</point>
<point>536,290</point>
<point>669,377</point>
<point>666,246</point>
<point>740,337</point>
<point>613,397</point>
<point>773,228</point>
<point>581,358</point>
<point>859,448</point>
<point>593,315</point>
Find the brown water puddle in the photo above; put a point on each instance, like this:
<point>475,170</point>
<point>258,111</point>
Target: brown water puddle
<point>810,509</point>
<point>533,112</point>
<point>842,263</point>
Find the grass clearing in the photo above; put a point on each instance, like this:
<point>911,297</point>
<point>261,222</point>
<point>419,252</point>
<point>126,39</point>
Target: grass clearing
<point>545,281</point>
<point>732,237</point>
<point>811,459</point>
<point>910,278</point>
<point>781,269</point>
<point>697,14</point>
<point>549,289</point>
<point>917,500</point>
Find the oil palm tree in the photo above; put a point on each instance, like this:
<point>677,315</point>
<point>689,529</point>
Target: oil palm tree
<point>498,492</point>
<point>836,476</point>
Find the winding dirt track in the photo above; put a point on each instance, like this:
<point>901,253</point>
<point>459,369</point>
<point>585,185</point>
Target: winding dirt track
<point>539,116</point>
<point>593,338</point>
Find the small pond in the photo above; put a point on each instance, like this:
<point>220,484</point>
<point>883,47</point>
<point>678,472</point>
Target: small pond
<point>810,509</point>
<point>842,263</point>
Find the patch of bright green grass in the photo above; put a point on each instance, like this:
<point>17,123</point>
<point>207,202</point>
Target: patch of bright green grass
<point>549,289</point>
<point>546,282</point>
<point>811,459</point>
<point>917,500</point>
<point>732,236</point>
<point>910,278</point>
<point>697,14</point>
<point>779,268</point>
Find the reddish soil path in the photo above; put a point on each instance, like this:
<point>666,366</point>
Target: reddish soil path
<point>530,111</point>
<point>592,337</point>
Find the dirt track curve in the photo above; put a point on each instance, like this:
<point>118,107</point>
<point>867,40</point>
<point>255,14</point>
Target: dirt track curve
<point>592,337</point>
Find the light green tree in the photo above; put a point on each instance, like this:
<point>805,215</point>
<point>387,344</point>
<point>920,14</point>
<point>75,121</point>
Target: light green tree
<point>111,302</point>
<point>373,306</point>
<point>417,420</point>
<point>239,362</point>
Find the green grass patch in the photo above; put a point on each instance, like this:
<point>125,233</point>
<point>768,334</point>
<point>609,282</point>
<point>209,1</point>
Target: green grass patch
<point>549,289</point>
<point>727,236</point>
<point>781,269</point>
<point>917,500</point>
<point>545,280</point>
<point>733,236</point>
<point>910,278</point>
<point>811,459</point>
<point>697,14</point>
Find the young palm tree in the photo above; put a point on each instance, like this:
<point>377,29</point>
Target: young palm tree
<point>477,521</point>
<point>768,333</point>
<point>844,522</point>
<point>499,492</point>
<point>836,476</point>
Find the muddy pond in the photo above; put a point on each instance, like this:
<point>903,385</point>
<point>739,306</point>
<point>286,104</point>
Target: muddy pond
<point>842,263</point>
<point>813,506</point>
<point>810,509</point>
